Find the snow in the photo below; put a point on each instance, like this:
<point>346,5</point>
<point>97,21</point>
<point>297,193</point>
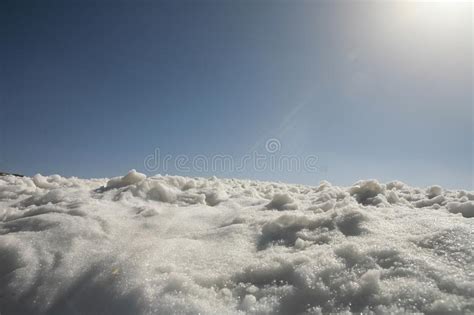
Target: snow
<point>177,245</point>
<point>131,178</point>
<point>282,202</point>
<point>466,208</point>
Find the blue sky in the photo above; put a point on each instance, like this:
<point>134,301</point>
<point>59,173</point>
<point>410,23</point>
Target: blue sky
<point>90,88</point>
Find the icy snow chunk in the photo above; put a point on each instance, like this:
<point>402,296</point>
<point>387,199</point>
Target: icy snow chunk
<point>131,178</point>
<point>177,283</point>
<point>300,244</point>
<point>379,201</point>
<point>284,229</point>
<point>326,197</point>
<point>248,302</point>
<point>282,202</point>
<point>434,191</point>
<point>52,196</point>
<point>369,285</point>
<point>350,253</point>
<point>147,211</point>
<point>364,190</point>
<point>213,198</point>
<point>465,208</point>
<point>189,184</point>
<point>349,223</point>
<point>13,187</point>
<point>324,184</point>
<point>42,182</point>
<point>328,205</point>
<point>392,197</point>
<point>470,195</point>
<point>161,192</point>
<point>429,202</point>
<point>396,185</point>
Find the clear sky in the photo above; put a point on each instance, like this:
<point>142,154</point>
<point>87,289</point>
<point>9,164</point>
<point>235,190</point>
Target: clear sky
<point>90,88</point>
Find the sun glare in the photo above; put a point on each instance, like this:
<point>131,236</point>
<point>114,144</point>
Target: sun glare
<point>434,16</point>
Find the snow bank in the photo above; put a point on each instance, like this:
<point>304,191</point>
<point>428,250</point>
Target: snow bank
<point>177,245</point>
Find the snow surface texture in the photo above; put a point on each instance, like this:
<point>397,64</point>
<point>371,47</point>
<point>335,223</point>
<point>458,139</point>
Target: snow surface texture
<point>176,245</point>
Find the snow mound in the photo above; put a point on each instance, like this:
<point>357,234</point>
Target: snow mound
<point>365,191</point>
<point>131,178</point>
<point>176,245</point>
<point>465,208</point>
<point>282,202</point>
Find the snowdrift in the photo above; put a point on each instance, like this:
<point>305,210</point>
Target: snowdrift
<point>176,245</point>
